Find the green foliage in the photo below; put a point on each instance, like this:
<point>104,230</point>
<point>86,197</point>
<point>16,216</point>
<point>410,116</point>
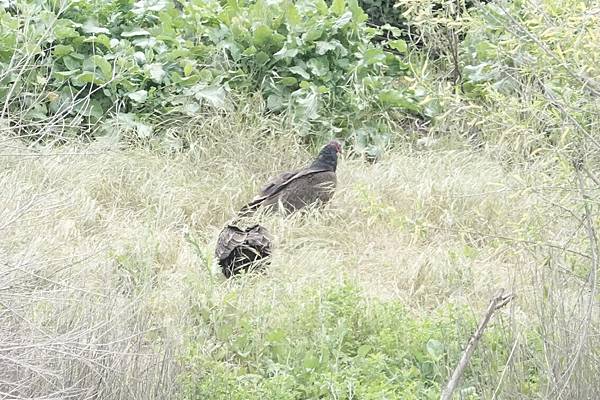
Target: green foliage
<point>523,56</point>
<point>336,346</point>
<point>383,12</point>
<point>88,60</point>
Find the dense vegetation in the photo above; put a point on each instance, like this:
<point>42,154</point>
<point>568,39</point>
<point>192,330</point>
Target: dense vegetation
<point>130,131</point>
<point>150,60</point>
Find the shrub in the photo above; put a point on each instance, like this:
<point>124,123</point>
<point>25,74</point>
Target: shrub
<point>338,346</point>
<point>148,59</point>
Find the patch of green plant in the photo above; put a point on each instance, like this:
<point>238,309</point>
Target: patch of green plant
<point>337,345</point>
<point>522,56</point>
<point>133,63</point>
<point>383,12</point>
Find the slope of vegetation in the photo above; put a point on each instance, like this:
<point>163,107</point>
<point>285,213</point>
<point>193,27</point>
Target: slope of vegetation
<point>130,132</point>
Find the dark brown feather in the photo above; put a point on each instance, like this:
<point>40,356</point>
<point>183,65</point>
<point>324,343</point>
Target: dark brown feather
<point>297,189</point>
<point>241,250</point>
<point>300,191</point>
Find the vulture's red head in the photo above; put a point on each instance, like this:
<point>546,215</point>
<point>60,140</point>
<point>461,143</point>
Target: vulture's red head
<point>327,158</point>
<point>335,145</point>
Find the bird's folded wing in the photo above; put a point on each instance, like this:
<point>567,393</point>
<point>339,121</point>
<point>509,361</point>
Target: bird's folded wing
<point>273,185</point>
<point>229,238</point>
<point>281,182</point>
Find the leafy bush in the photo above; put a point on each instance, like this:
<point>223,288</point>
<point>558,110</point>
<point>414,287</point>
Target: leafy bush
<point>522,56</point>
<point>84,61</point>
<point>337,347</point>
<point>383,12</point>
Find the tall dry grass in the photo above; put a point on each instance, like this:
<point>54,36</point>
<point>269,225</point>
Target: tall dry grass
<point>106,254</point>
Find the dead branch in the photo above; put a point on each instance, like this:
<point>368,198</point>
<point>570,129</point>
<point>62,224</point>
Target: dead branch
<point>498,301</point>
<point>584,327</point>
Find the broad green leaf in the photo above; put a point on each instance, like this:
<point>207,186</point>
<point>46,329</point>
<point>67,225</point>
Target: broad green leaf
<point>396,65</point>
<point>88,108</point>
<point>135,32</point>
<point>289,81</point>
<point>318,66</point>
<point>293,17</point>
<point>300,71</point>
<point>286,53</point>
<point>399,45</point>
<point>101,39</point>
<point>262,35</point>
<point>188,69</point>
<point>62,32</point>
<point>191,108</point>
<point>395,98</point>
<point>145,42</point>
<point>310,360</point>
<point>155,72</point>
<point>485,50</point>
<point>98,62</point>
<point>275,102</point>
<point>358,15</point>
<point>62,50</point>
<point>139,57</point>
<point>373,56</point>
<point>363,350</point>
<point>91,28</point>
<point>479,73</point>
<point>250,51</point>
<point>261,58</point>
<point>435,348</point>
<point>88,77</point>
<point>39,111</point>
<point>321,6</point>
<point>308,106</point>
<point>324,47</point>
<point>312,35</point>
<point>78,56</point>
<point>65,74</point>
<point>214,95</point>
<point>139,96</point>
<point>343,20</point>
<point>394,30</point>
<point>142,6</point>
<point>338,7</point>
<point>185,81</point>
<point>71,62</point>
<point>206,75</point>
<point>181,53</point>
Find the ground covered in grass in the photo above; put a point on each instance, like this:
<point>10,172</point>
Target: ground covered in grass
<point>110,289</point>
<point>128,141</point>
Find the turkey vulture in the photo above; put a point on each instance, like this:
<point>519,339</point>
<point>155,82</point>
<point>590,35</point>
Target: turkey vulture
<point>297,189</point>
<point>240,249</point>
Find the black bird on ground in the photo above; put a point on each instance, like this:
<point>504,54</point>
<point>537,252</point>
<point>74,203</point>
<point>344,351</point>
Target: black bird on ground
<point>241,249</point>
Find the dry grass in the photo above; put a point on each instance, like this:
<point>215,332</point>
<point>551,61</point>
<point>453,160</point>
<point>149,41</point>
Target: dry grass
<point>99,278</point>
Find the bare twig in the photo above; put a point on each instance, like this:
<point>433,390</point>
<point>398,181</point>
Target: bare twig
<point>499,301</point>
<point>584,327</point>
<point>522,30</point>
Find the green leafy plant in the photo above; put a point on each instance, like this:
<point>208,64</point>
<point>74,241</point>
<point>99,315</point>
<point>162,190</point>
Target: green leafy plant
<point>310,60</point>
<point>337,347</point>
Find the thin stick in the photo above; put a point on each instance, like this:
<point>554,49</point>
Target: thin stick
<point>584,326</point>
<point>499,301</point>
